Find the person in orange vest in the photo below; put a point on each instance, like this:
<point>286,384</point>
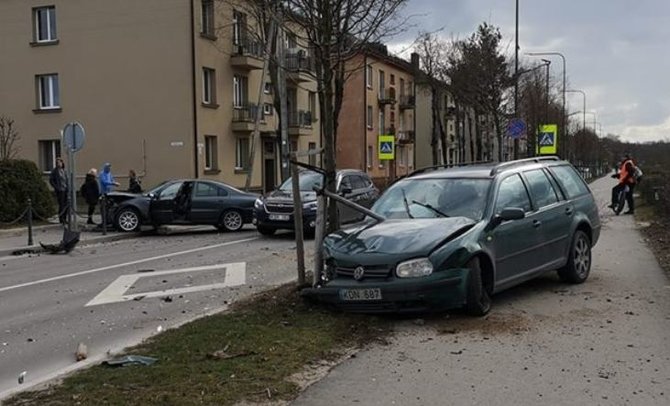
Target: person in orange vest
<point>626,176</point>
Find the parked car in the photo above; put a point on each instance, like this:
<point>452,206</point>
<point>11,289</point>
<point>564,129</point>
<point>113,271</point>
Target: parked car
<point>275,211</point>
<point>453,237</point>
<point>183,202</point>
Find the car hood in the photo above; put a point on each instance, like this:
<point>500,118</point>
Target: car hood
<point>280,196</point>
<point>410,236</point>
<point>123,196</point>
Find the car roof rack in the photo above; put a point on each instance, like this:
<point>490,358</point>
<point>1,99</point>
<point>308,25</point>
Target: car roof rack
<point>536,159</point>
<point>445,166</point>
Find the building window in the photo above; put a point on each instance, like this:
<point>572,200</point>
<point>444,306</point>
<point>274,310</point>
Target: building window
<point>402,87</point>
<point>211,160</point>
<point>368,119</point>
<point>267,89</point>
<point>293,146</point>
<point>393,117</point>
<point>48,92</point>
<point>240,90</point>
<point>242,154</point>
<point>392,78</point>
<point>381,85</point>
<point>400,152</point>
<point>312,104</point>
<point>291,41</point>
<point>208,86</point>
<point>45,24</point>
<point>268,110</point>
<point>312,155</point>
<point>239,27</point>
<point>368,76</point>
<point>371,156</point>
<point>49,150</point>
<point>382,122</point>
<point>207,18</point>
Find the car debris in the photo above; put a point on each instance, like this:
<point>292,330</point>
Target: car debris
<point>130,360</point>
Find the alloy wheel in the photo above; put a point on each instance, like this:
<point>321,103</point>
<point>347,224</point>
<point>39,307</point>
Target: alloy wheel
<point>128,221</point>
<point>232,220</point>
<point>582,257</point>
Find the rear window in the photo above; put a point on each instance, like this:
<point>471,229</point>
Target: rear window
<point>572,184</point>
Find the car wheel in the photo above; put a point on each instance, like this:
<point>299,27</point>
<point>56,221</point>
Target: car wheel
<point>478,301</point>
<point>579,260</point>
<point>621,202</point>
<point>266,230</point>
<point>231,220</point>
<point>128,219</point>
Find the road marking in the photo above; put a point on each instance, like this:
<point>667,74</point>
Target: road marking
<point>139,261</point>
<point>115,292</point>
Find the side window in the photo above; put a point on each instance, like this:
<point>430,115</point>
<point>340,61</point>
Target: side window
<point>569,180</point>
<point>346,183</point>
<point>540,188</point>
<point>358,183</point>
<point>205,190</point>
<point>170,191</point>
<point>222,191</point>
<point>512,193</point>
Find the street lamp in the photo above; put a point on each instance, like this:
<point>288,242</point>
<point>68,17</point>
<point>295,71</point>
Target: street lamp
<point>593,113</point>
<point>564,75</point>
<point>584,106</point>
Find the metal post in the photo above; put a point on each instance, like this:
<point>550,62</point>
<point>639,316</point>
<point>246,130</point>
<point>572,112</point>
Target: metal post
<point>516,77</point>
<point>103,214</point>
<point>319,231</point>
<point>297,222</point>
<point>283,107</point>
<point>30,222</point>
<point>71,219</point>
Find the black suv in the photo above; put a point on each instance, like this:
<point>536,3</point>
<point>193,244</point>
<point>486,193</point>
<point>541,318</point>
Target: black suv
<point>453,237</point>
<point>275,211</point>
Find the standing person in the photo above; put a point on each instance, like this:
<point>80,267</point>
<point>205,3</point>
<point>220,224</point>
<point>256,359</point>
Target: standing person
<point>626,177</point>
<point>107,181</point>
<point>91,193</point>
<point>58,181</point>
<point>134,184</point>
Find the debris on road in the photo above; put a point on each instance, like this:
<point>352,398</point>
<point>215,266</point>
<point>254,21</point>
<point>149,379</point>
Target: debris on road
<point>167,299</point>
<point>138,298</point>
<point>130,360</point>
<point>159,329</point>
<point>144,270</point>
<point>82,352</point>
<point>22,377</point>
<point>222,354</point>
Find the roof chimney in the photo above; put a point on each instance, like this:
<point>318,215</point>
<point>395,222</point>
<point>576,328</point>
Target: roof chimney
<point>416,60</point>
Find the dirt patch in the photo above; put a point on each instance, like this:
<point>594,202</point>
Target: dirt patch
<point>493,324</point>
<point>657,236</point>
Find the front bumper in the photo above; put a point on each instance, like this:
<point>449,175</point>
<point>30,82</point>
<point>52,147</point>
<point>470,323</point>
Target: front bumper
<point>438,291</point>
<point>262,218</point>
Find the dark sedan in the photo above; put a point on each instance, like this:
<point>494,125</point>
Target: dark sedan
<point>182,202</point>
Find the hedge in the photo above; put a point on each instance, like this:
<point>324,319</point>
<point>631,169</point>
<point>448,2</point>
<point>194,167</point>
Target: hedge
<point>20,180</point>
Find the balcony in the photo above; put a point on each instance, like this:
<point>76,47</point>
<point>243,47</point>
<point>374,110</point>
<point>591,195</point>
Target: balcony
<point>407,101</point>
<point>300,122</point>
<point>299,67</point>
<point>244,117</point>
<point>247,54</point>
<point>405,137</point>
<point>386,96</point>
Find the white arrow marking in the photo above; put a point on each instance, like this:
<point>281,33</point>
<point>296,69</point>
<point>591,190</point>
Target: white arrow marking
<point>115,292</point>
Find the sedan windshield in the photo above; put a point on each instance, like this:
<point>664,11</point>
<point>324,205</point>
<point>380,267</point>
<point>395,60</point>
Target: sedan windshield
<point>431,198</point>
<point>307,182</point>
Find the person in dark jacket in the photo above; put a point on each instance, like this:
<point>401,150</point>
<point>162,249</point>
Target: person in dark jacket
<point>90,191</point>
<point>134,184</point>
<point>58,181</point>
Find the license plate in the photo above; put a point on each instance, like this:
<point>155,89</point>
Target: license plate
<point>361,294</point>
<point>279,217</point>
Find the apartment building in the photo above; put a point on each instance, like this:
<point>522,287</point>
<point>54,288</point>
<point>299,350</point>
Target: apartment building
<point>378,100</point>
<point>166,87</point>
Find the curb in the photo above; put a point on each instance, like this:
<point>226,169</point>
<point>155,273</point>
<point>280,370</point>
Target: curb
<point>82,243</point>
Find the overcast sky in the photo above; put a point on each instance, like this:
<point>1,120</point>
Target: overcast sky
<point>617,51</point>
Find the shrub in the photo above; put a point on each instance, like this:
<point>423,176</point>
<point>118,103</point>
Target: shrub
<point>20,180</point>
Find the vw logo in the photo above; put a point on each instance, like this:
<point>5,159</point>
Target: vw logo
<point>359,273</point>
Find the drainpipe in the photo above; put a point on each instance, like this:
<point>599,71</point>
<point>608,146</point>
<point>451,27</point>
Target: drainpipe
<point>366,164</point>
<point>196,165</point>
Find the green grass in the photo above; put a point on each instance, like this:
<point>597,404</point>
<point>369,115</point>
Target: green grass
<point>278,331</point>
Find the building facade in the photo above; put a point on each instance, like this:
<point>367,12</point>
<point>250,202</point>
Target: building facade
<point>379,99</point>
<point>168,88</point>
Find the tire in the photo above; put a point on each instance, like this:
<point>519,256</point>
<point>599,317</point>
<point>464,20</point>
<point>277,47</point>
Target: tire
<point>231,220</point>
<point>478,300</point>
<point>621,202</point>
<point>127,220</point>
<point>266,230</point>
<point>579,260</point>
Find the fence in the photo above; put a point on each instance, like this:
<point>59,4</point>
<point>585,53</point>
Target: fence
<point>592,172</point>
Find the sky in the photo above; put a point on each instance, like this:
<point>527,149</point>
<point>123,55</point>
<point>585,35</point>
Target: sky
<point>617,51</point>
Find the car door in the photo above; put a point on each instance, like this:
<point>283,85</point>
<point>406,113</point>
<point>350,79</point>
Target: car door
<point>346,190</point>
<point>162,207</point>
<point>208,203</point>
<point>514,243</point>
<point>555,215</point>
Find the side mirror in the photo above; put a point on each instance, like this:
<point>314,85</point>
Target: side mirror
<point>152,196</point>
<point>507,214</point>
<point>345,191</point>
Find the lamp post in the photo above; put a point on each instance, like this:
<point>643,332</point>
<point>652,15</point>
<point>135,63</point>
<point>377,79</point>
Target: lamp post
<point>516,76</point>
<point>563,132</point>
<point>583,104</point>
<point>593,113</point>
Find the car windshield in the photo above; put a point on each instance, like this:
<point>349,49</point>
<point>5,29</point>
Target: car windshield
<point>431,198</point>
<point>154,190</point>
<point>307,182</point>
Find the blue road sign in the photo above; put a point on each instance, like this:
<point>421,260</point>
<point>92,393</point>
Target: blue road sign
<point>516,128</point>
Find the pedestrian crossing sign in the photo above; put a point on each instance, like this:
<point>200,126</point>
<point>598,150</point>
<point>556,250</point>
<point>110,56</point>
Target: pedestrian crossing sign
<point>547,139</point>
<point>386,147</point>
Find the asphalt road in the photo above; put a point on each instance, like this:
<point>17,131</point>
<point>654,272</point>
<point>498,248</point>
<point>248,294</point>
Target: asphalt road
<point>605,342</point>
<point>112,295</point>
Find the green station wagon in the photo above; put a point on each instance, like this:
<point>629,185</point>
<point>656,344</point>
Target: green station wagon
<point>452,237</point>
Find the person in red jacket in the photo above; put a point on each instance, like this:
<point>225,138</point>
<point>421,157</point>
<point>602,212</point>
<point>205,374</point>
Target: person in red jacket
<point>626,176</point>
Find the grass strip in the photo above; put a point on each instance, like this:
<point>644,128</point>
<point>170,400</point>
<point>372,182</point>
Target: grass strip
<point>245,354</point>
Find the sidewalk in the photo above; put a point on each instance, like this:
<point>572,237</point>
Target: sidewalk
<point>14,241</point>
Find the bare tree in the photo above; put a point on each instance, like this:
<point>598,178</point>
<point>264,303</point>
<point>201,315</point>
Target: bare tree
<point>8,138</point>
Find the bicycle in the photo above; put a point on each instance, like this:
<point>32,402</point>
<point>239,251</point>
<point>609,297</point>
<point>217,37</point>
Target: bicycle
<point>621,200</point>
